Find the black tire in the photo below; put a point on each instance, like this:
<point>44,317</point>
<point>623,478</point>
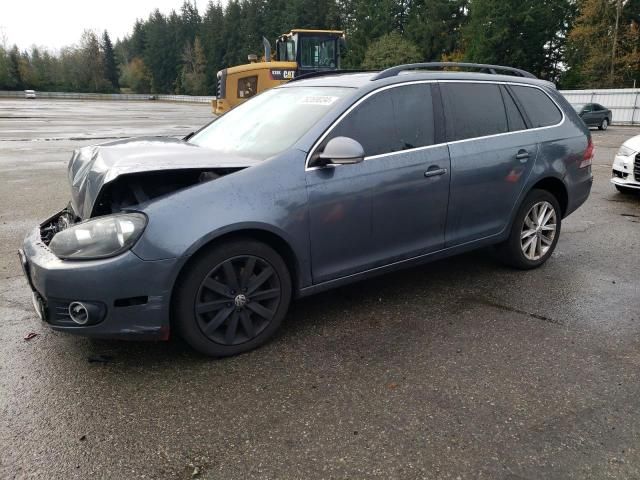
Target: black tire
<point>230,322</point>
<point>626,190</point>
<point>511,251</point>
<point>604,124</point>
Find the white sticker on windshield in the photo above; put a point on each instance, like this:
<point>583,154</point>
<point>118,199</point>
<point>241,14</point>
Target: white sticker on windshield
<point>317,100</point>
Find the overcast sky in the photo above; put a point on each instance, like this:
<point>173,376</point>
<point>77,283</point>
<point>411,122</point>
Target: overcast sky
<point>57,23</point>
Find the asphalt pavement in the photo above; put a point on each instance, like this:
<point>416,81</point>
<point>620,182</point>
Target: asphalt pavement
<point>460,369</point>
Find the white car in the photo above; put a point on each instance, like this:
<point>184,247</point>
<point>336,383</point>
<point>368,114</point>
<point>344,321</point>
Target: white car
<point>626,166</point>
<point>29,94</point>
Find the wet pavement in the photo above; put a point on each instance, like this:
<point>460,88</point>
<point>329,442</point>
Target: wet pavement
<point>458,369</point>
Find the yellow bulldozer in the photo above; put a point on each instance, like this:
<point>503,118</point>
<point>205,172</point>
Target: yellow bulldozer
<point>297,53</point>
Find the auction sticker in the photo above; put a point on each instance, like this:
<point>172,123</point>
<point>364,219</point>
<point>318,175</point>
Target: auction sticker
<point>317,100</point>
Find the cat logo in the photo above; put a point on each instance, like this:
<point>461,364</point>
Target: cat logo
<point>282,74</point>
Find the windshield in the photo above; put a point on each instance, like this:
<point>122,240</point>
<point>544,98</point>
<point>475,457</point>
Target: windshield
<point>269,123</point>
<point>578,107</point>
<point>317,52</point>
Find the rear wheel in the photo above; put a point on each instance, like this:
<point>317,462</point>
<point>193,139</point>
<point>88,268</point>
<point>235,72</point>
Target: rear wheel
<point>232,298</point>
<point>604,124</point>
<point>534,233</point>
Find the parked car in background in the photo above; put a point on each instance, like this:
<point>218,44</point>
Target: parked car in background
<point>626,166</point>
<point>29,94</point>
<point>308,186</point>
<point>594,115</point>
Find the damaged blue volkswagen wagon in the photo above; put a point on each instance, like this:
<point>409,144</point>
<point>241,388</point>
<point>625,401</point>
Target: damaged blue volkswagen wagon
<point>326,180</point>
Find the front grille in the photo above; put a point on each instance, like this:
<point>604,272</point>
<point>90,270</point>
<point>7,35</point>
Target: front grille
<point>636,168</point>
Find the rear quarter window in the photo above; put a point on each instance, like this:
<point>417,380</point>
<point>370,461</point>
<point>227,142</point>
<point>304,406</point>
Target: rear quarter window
<point>540,109</point>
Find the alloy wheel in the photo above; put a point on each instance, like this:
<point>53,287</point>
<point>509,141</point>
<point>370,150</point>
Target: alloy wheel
<point>237,300</point>
<point>538,231</point>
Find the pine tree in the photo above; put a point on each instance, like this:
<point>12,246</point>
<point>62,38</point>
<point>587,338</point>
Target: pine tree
<point>92,66</point>
<point>435,27</point>
<point>14,76</point>
<point>161,54</point>
<point>519,33</point>
<point>110,67</point>
<point>212,41</point>
<point>389,50</point>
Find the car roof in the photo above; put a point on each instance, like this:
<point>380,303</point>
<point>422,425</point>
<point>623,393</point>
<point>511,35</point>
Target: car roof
<point>366,79</point>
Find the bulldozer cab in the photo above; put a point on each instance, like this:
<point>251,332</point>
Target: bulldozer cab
<point>312,50</point>
<point>296,53</point>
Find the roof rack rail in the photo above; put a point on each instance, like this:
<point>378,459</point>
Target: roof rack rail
<point>484,68</point>
<point>321,73</point>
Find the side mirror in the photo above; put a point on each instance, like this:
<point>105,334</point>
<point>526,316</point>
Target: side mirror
<point>342,151</point>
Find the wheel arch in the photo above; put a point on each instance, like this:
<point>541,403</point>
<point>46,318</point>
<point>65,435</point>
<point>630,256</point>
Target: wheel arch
<point>555,187</point>
<point>257,233</point>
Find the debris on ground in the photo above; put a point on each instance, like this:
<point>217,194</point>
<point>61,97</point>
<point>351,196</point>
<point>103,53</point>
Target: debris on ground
<point>30,336</point>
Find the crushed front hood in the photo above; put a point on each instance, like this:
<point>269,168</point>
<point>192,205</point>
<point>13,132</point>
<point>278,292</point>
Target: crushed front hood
<point>92,167</point>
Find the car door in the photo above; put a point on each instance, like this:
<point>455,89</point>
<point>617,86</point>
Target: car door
<point>598,114</point>
<point>489,166</point>
<point>391,206</point>
<point>603,113</point>
<point>589,115</point>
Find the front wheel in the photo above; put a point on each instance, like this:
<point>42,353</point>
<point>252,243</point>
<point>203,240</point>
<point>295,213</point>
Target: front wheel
<point>604,125</point>
<point>232,298</point>
<point>534,233</point>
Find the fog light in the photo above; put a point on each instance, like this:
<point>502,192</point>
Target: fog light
<point>78,313</point>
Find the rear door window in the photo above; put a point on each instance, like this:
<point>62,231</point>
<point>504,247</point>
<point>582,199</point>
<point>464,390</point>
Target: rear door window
<point>539,108</point>
<point>473,110</point>
<point>392,120</point>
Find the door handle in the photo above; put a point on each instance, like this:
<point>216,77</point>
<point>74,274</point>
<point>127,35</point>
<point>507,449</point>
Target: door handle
<point>522,155</point>
<point>436,172</point>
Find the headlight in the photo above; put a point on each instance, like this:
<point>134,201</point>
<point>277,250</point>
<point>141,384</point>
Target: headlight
<point>625,151</point>
<point>100,238</point>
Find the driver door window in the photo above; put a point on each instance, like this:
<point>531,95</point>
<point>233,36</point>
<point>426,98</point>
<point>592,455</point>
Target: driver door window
<point>370,124</point>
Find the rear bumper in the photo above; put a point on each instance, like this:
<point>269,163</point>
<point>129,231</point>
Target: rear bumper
<point>129,297</point>
<point>579,193</point>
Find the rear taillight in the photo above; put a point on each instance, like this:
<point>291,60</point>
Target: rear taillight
<point>587,157</point>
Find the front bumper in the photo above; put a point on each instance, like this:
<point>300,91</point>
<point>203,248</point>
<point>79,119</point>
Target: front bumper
<point>130,297</point>
<point>626,171</point>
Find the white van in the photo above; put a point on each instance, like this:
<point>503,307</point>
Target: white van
<point>29,94</point>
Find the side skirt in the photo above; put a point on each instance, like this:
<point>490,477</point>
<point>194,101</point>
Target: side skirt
<point>402,264</point>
